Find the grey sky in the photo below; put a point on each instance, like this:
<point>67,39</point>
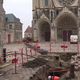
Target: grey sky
<point>21,9</point>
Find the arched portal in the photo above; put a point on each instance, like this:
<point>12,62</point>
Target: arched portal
<point>44,31</point>
<point>66,26</point>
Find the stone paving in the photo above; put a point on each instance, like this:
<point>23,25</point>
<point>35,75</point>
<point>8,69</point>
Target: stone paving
<point>22,73</point>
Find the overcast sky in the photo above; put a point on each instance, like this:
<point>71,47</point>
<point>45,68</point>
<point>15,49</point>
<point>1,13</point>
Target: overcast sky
<point>21,9</point>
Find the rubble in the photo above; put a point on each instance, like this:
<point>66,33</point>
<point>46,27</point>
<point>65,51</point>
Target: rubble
<point>37,62</point>
<point>76,61</point>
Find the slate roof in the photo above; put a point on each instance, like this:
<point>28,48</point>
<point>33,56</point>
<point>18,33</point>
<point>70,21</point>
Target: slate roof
<point>11,18</point>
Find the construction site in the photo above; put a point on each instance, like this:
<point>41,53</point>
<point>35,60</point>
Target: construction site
<point>54,50</point>
<point>35,63</point>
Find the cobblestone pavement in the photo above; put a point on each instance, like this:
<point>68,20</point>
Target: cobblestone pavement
<point>22,73</point>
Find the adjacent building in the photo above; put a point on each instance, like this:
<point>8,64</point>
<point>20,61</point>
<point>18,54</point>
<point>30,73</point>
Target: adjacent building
<point>55,20</point>
<point>13,29</point>
<point>10,27</point>
<point>28,32</point>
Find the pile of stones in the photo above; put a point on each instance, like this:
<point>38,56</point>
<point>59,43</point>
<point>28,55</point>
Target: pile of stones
<point>76,61</point>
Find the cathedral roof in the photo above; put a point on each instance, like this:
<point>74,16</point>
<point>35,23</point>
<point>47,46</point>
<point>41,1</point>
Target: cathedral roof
<point>11,18</point>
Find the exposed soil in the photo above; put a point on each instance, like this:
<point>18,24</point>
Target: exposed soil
<point>35,63</point>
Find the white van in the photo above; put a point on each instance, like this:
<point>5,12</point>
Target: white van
<point>73,38</point>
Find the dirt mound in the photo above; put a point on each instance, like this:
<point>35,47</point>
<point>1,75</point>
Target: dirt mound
<point>35,63</point>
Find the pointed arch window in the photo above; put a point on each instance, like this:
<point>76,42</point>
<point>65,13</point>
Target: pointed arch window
<point>46,2</point>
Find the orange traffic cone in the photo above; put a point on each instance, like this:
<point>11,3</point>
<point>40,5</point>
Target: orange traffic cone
<point>56,78</point>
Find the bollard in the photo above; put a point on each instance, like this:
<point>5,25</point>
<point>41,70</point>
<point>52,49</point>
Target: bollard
<point>22,56</point>
<point>4,55</point>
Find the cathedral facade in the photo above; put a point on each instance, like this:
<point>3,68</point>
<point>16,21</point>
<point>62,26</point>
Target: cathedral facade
<point>55,20</point>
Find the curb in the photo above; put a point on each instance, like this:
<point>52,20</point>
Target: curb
<point>4,65</point>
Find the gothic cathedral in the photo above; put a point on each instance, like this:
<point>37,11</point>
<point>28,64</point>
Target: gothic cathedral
<point>55,20</point>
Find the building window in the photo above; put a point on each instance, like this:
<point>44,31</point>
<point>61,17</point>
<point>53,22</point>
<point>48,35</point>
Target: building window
<point>76,11</point>
<point>10,26</point>
<point>46,13</point>
<point>9,38</point>
<point>18,34</point>
<point>57,12</point>
<point>46,2</point>
<point>6,19</point>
